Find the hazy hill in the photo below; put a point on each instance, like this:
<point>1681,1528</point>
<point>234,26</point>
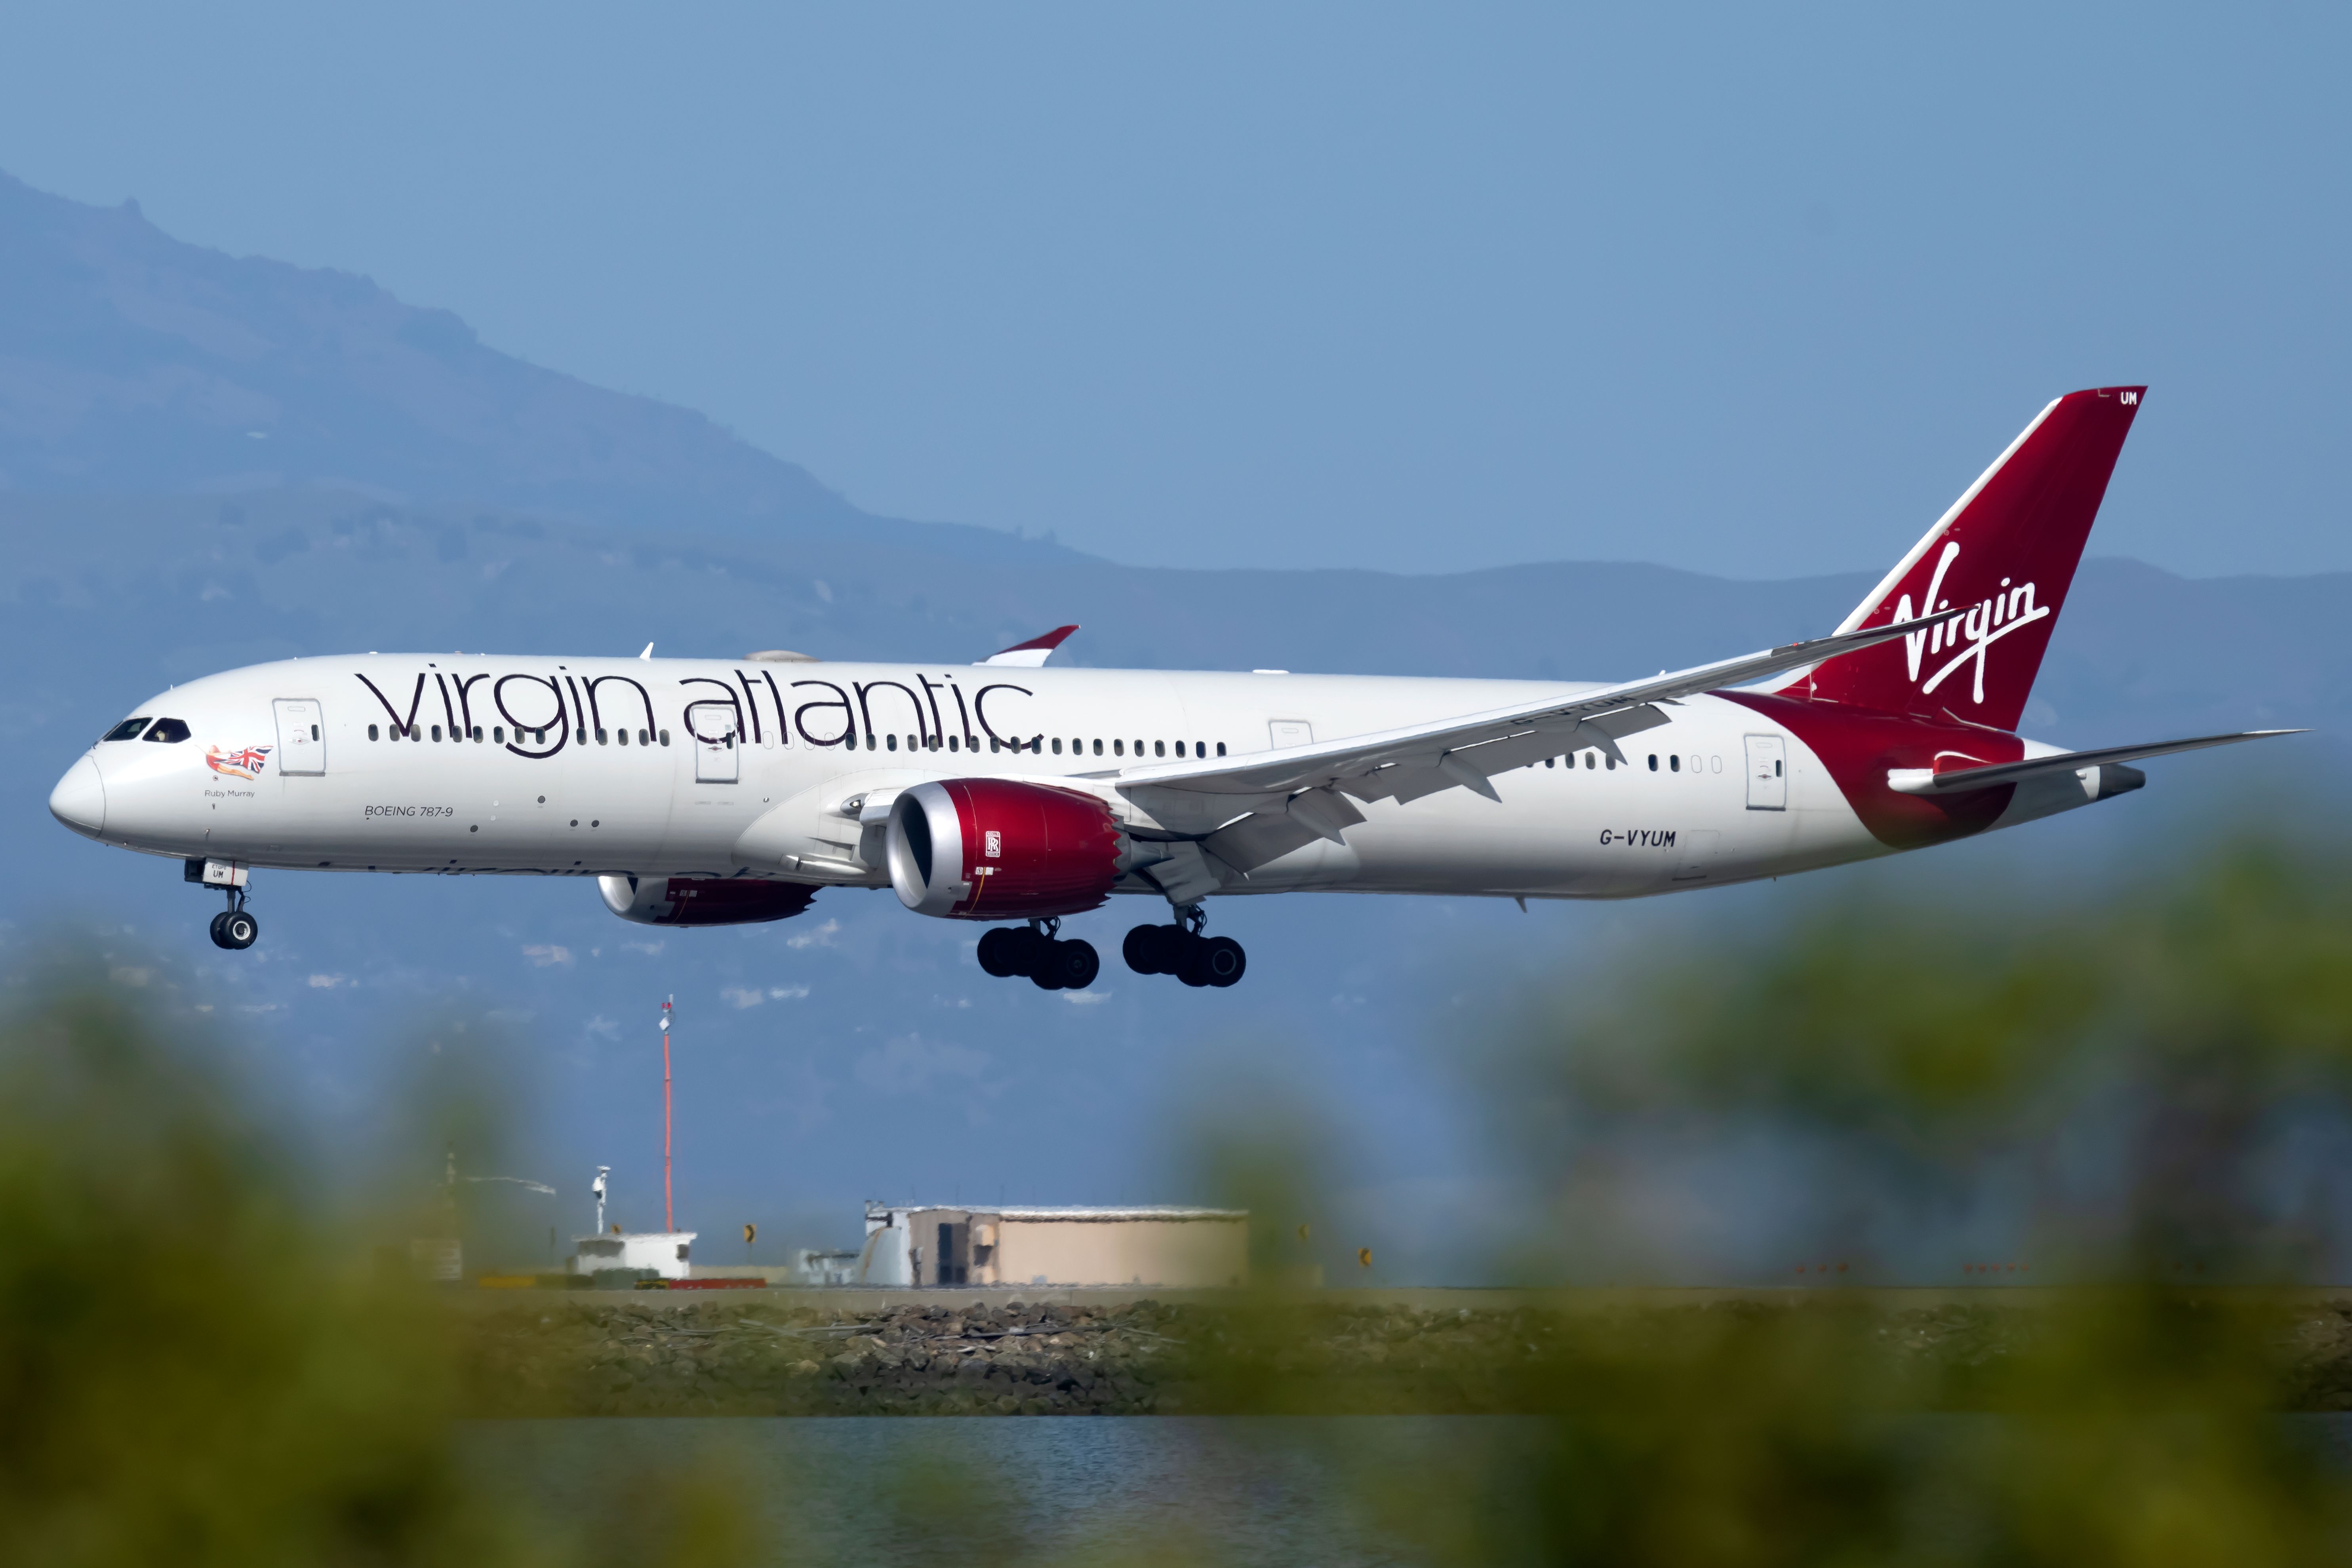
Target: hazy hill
<point>131,361</point>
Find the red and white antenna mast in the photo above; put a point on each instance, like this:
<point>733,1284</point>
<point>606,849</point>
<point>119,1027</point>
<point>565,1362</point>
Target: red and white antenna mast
<point>670,1216</point>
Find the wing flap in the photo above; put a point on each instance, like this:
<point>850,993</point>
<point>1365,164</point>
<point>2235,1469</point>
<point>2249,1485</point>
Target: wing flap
<point>1600,715</point>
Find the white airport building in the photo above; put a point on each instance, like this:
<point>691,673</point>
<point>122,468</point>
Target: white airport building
<point>666,1252</point>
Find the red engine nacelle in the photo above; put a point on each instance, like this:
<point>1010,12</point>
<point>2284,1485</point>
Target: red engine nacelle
<point>998,849</point>
<point>702,900</point>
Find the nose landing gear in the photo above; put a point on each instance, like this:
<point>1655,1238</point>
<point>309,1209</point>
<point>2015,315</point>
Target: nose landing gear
<point>1036,951</point>
<point>235,928</point>
<point>1181,950</point>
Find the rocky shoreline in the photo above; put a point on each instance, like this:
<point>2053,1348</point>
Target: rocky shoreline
<point>643,1355</point>
<point>656,1354</point>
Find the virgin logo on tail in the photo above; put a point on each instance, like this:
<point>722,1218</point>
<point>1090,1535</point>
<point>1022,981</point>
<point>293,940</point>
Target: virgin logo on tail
<point>1973,633</point>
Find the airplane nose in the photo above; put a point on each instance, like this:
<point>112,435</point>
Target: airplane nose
<point>80,799</point>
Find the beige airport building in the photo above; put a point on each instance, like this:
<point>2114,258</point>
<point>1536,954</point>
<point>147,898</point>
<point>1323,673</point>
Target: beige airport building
<point>917,1245</point>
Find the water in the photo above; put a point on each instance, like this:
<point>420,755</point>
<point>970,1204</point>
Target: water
<point>904,1490</point>
<point>1297,1491</point>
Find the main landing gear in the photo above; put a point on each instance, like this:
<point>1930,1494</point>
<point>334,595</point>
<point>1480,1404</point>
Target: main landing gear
<point>1181,950</point>
<point>1036,951</point>
<point>235,928</point>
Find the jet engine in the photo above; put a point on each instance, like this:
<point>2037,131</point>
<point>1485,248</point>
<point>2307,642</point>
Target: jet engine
<point>999,849</point>
<point>702,900</point>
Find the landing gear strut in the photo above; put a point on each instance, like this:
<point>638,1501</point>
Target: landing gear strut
<point>235,928</point>
<point>1036,950</point>
<point>1181,950</point>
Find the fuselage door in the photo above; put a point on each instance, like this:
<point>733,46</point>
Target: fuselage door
<point>718,757</point>
<point>1768,773</point>
<point>1290,732</point>
<point>302,736</point>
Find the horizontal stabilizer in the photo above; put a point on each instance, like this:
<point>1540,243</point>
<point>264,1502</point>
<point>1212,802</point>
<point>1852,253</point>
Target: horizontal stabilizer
<point>1945,780</point>
<point>1031,654</point>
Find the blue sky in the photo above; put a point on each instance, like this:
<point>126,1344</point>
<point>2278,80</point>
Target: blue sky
<point>1742,291</point>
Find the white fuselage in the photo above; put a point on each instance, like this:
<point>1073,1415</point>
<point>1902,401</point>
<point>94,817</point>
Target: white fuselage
<point>596,767</point>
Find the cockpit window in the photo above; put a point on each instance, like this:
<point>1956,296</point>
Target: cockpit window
<point>168,730</point>
<point>127,729</point>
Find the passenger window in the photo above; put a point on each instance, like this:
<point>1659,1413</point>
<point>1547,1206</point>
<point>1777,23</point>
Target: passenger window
<point>1180,748</point>
<point>437,732</point>
<point>664,737</point>
<point>1159,748</point>
<point>952,742</point>
<point>1653,762</point>
<point>1118,749</point>
<point>1674,764</point>
<point>1549,761</point>
<point>622,736</point>
<point>168,731</point>
<point>1220,748</point>
<point>372,735</point>
<point>497,734</point>
<point>1057,745</point>
<point>127,730</point>
<point>894,743</point>
<point>1097,748</point>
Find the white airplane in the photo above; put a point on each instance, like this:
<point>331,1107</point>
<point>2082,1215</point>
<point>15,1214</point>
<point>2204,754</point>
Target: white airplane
<point>713,793</point>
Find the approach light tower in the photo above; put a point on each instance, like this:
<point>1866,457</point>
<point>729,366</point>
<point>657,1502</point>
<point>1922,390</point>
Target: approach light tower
<point>670,1216</point>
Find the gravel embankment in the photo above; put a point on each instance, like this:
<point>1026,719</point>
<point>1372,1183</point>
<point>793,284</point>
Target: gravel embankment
<point>645,1354</point>
<point>663,1353</point>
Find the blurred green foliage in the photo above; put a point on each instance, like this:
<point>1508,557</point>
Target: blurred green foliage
<point>200,1361</point>
<point>2128,1056</point>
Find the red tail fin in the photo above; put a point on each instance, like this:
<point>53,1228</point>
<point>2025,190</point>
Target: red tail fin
<point>2009,547</point>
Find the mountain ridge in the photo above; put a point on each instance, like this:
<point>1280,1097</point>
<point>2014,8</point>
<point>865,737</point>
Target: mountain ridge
<point>131,361</point>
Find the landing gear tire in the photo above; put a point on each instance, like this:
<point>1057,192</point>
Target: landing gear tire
<point>1000,950</point>
<point>1216,961</point>
<point>236,930</point>
<point>1154,949</point>
<point>1066,966</point>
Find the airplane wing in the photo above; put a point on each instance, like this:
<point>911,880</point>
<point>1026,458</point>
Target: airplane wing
<point>1944,780</point>
<point>1033,653</point>
<point>1245,811</point>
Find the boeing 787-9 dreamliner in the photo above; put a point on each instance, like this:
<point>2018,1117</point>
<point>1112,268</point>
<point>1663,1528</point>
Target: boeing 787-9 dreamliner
<point>704,792</point>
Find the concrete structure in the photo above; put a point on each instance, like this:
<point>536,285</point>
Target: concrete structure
<point>918,1245</point>
<point>662,1251</point>
<point>814,1268</point>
